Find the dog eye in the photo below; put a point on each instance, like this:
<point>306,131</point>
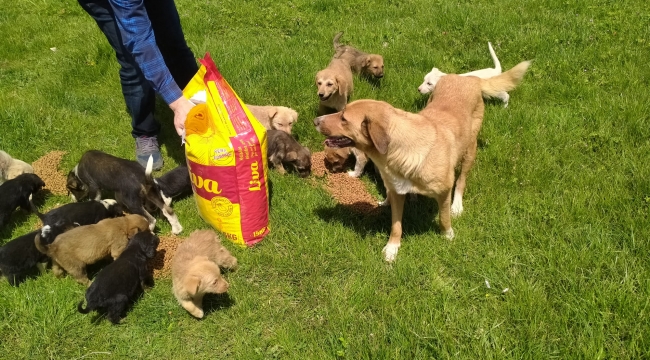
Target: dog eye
<point>429,83</point>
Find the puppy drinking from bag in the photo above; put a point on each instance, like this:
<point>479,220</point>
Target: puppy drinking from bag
<point>284,149</point>
<point>196,272</point>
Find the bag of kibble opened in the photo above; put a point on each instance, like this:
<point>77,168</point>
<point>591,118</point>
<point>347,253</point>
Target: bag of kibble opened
<point>226,156</point>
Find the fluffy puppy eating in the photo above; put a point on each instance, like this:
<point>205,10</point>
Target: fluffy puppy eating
<point>133,186</point>
<point>282,148</point>
<point>275,117</point>
<point>334,85</point>
<point>336,160</point>
<point>195,270</point>
<point>123,280</point>
<point>82,213</point>
<point>418,153</point>
<point>359,61</point>
<point>20,257</point>
<point>10,168</point>
<point>432,78</point>
<point>72,251</point>
<point>18,192</point>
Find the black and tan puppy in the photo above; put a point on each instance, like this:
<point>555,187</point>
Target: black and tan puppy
<point>82,213</point>
<point>359,61</point>
<point>18,192</point>
<point>284,149</point>
<point>133,186</point>
<point>19,257</point>
<point>122,281</point>
<point>337,160</point>
<point>72,251</point>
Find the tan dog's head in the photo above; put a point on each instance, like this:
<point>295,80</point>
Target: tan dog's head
<point>336,158</point>
<point>205,277</point>
<point>134,224</point>
<point>374,65</point>
<point>362,124</point>
<point>329,82</point>
<point>283,118</point>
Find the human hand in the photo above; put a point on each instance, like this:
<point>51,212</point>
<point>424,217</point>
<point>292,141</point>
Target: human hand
<point>181,107</point>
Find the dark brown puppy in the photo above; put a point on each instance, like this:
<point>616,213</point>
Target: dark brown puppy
<point>336,160</point>
<point>122,281</point>
<point>284,149</point>
<point>359,61</point>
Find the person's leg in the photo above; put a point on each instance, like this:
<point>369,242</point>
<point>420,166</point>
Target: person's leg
<point>167,29</point>
<point>139,96</point>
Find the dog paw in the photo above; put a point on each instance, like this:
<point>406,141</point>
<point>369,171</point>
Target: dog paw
<point>456,209</point>
<point>449,234</point>
<point>384,202</point>
<point>390,252</point>
<point>353,174</point>
<point>177,229</point>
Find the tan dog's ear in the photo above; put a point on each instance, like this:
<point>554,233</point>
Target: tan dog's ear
<point>132,231</point>
<point>291,156</point>
<point>272,112</point>
<point>191,284</point>
<point>378,134</point>
<point>342,86</point>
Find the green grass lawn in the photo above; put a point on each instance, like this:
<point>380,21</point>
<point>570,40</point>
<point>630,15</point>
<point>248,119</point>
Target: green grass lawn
<point>556,208</point>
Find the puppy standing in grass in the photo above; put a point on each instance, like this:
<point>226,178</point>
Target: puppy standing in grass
<point>418,153</point>
<point>72,251</point>
<point>123,280</point>
<point>195,270</point>
<point>359,61</point>
<point>334,86</point>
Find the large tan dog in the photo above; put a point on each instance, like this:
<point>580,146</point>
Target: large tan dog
<point>84,245</point>
<point>418,153</point>
<point>334,86</point>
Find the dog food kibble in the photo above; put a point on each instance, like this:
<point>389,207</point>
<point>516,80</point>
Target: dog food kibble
<point>162,262</point>
<point>348,191</point>
<point>47,168</point>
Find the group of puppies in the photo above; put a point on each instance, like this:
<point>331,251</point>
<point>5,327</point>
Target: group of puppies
<point>79,234</point>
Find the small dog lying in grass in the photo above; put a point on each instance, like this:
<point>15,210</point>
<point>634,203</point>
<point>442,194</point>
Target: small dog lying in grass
<point>123,280</point>
<point>72,251</point>
<point>195,270</point>
<point>133,186</point>
<point>18,192</point>
<point>10,168</point>
<point>334,86</point>
<point>275,117</point>
<point>336,160</point>
<point>82,213</point>
<point>19,257</point>
<point>360,62</point>
<point>432,78</point>
<point>284,149</point>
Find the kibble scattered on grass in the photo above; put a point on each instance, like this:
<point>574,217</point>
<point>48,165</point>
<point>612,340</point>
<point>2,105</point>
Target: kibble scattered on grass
<point>162,263</point>
<point>347,191</point>
<point>47,168</point>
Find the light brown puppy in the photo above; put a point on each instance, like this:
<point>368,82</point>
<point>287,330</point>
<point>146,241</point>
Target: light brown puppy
<point>275,117</point>
<point>195,270</point>
<point>10,168</point>
<point>359,61</point>
<point>417,153</point>
<point>334,86</point>
<point>84,245</point>
<point>336,160</point>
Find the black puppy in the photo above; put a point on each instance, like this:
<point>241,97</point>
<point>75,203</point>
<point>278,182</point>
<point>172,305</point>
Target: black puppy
<point>174,183</point>
<point>123,280</point>
<point>20,257</point>
<point>133,186</point>
<point>17,192</point>
<point>284,149</point>
<point>82,213</point>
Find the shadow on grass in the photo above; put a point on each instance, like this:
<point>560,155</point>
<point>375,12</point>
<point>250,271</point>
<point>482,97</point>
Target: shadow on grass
<point>216,302</point>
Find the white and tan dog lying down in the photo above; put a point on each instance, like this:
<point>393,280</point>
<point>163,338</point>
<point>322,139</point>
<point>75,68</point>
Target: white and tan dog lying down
<point>418,153</point>
<point>432,78</point>
<point>10,168</point>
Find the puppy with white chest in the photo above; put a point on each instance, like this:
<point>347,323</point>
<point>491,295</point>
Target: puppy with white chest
<point>72,251</point>
<point>196,270</point>
<point>10,168</point>
<point>282,149</point>
<point>432,78</point>
<point>334,86</point>
<point>275,117</point>
<point>18,192</point>
<point>123,280</point>
<point>133,185</point>
<point>359,61</point>
<point>418,153</point>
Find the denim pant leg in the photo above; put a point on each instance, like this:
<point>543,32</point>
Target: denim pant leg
<point>138,94</point>
<point>167,29</point>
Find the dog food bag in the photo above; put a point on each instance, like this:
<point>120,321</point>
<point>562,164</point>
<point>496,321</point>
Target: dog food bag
<point>226,157</point>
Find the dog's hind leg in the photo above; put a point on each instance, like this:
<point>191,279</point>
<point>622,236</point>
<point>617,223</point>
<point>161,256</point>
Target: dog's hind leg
<point>135,206</point>
<point>117,308</point>
<point>466,164</point>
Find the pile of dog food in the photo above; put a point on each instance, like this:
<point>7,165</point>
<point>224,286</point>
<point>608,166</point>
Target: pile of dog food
<point>348,191</point>
<point>47,168</point>
<point>162,263</point>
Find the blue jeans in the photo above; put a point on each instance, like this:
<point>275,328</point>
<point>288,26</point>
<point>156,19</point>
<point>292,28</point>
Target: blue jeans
<point>139,96</point>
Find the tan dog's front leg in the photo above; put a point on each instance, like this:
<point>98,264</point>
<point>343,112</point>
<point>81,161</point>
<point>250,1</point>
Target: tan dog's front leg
<point>444,206</point>
<point>192,307</point>
<point>397,210</point>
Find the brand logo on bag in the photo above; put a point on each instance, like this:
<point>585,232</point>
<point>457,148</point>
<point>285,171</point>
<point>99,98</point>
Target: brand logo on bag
<point>222,206</point>
<point>221,156</point>
<point>255,184</point>
<point>207,184</point>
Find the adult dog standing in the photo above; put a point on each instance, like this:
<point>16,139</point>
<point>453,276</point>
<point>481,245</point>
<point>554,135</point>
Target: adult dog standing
<point>418,153</point>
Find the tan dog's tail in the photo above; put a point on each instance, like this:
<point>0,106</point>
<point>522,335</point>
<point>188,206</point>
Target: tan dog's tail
<point>336,42</point>
<point>506,81</point>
